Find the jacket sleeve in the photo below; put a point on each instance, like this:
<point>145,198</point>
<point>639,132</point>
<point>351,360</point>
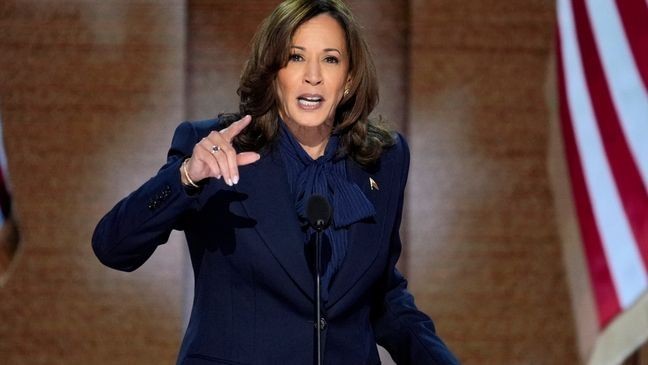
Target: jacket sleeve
<point>400,327</point>
<point>131,231</point>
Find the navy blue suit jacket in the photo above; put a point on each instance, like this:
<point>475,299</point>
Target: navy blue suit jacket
<point>254,291</point>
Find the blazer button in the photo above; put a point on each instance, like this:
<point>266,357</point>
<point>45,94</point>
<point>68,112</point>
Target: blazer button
<point>322,324</point>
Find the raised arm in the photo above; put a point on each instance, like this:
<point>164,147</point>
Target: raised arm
<point>129,233</point>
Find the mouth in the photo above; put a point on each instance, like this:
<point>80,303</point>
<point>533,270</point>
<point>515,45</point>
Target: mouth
<point>310,101</point>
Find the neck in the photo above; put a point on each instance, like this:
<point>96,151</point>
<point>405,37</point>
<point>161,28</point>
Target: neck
<point>312,139</point>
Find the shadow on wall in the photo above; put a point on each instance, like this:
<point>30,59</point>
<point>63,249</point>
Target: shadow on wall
<point>8,247</point>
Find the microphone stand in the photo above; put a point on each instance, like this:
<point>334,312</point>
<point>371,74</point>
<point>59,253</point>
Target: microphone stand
<point>318,288</point>
<point>319,216</point>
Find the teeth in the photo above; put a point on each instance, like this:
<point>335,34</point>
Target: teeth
<point>308,102</point>
<point>315,99</point>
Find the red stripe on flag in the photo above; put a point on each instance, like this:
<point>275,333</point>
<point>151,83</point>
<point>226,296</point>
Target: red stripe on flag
<point>635,22</point>
<point>627,177</point>
<point>602,285</point>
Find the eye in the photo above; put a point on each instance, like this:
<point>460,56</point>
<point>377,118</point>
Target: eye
<point>295,57</point>
<point>331,59</point>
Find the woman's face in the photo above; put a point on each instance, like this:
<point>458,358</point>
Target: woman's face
<point>312,84</point>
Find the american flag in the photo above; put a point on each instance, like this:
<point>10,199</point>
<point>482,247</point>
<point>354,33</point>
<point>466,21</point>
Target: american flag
<point>602,48</point>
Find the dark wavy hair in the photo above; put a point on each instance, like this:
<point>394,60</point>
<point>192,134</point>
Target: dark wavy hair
<point>363,139</point>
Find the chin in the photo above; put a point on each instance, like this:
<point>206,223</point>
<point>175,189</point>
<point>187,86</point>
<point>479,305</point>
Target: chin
<point>309,119</point>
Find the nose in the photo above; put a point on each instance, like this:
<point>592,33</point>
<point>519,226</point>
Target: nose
<point>313,73</point>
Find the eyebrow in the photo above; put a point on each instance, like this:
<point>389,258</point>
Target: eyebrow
<point>325,49</point>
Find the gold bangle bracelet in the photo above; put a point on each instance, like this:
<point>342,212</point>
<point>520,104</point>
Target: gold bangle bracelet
<point>186,173</point>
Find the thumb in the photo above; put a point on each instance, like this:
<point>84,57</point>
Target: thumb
<point>246,158</point>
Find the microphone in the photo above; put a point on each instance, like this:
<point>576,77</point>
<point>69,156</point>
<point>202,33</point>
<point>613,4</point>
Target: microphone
<point>318,212</point>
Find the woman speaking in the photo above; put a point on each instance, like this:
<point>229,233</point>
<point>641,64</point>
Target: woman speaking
<point>239,187</point>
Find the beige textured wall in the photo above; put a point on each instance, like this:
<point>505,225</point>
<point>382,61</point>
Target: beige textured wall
<point>484,255</point>
<point>90,92</point>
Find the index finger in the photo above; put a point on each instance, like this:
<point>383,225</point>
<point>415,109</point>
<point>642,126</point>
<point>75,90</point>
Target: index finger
<point>235,128</point>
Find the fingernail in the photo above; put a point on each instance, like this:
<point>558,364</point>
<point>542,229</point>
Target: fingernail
<point>236,179</point>
<point>229,182</point>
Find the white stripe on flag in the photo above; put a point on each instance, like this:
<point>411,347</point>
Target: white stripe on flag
<point>627,270</point>
<point>623,78</point>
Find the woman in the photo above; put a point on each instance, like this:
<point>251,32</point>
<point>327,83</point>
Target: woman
<point>238,187</point>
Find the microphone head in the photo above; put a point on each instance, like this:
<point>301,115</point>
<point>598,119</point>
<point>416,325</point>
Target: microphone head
<point>318,212</point>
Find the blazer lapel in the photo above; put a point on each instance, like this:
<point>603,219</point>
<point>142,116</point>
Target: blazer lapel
<point>364,237</point>
<point>270,204</point>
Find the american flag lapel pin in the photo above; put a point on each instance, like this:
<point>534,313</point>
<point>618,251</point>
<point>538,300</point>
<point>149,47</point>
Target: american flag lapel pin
<point>373,184</point>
